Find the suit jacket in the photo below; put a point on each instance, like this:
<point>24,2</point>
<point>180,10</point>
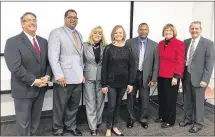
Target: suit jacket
<point>92,70</point>
<point>202,61</point>
<point>171,58</point>
<point>25,66</point>
<point>150,64</point>
<point>65,60</point>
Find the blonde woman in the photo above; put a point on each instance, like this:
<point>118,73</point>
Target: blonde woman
<point>117,76</point>
<point>93,51</point>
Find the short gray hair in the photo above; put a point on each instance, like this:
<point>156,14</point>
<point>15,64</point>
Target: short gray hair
<point>28,13</point>
<point>197,22</point>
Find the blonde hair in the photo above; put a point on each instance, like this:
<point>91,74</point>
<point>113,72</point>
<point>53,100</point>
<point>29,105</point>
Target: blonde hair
<point>114,30</point>
<point>170,26</point>
<point>90,39</point>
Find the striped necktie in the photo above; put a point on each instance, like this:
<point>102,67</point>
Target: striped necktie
<point>189,61</point>
<point>141,56</point>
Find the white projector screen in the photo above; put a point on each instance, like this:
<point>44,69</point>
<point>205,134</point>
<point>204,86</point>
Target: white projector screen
<point>158,14</point>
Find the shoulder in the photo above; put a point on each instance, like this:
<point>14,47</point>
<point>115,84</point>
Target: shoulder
<point>207,41</point>
<point>85,44</point>
<point>41,38</point>
<point>15,39</point>
<point>57,30</point>
<point>177,42</point>
<point>152,42</point>
<point>186,40</point>
<point>161,42</point>
<point>131,40</point>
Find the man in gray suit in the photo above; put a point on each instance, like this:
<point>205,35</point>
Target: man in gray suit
<point>200,56</point>
<point>145,53</point>
<point>66,60</point>
<point>26,56</point>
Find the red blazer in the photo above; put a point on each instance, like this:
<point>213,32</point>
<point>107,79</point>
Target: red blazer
<point>171,58</point>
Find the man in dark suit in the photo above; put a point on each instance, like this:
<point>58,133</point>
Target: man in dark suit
<point>200,56</point>
<point>26,56</point>
<point>145,53</point>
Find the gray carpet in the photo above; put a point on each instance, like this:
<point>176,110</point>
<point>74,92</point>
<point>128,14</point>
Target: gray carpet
<point>45,129</point>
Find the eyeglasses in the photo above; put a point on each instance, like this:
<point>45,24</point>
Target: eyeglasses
<point>70,17</point>
<point>29,20</point>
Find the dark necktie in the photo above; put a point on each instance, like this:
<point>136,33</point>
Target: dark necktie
<point>36,47</point>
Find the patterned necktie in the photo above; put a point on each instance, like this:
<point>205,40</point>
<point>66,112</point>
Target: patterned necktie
<point>36,47</point>
<point>141,56</point>
<point>189,61</point>
<point>76,41</point>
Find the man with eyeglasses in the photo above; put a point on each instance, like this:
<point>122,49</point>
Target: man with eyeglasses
<point>26,56</point>
<point>66,60</point>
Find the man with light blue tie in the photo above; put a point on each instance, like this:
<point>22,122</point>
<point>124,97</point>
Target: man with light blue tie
<point>145,53</point>
<point>66,60</point>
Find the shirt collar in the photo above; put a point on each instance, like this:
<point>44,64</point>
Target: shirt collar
<point>196,40</point>
<point>29,36</point>
<point>73,30</point>
<point>144,41</point>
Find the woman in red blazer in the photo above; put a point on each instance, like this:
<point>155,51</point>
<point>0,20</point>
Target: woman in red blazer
<point>171,66</point>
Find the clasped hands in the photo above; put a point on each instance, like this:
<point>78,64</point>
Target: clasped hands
<point>129,89</point>
<point>42,82</point>
<point>62,81</point>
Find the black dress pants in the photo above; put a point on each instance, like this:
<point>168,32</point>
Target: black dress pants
<point>167,97</point>
<point>115,96</point>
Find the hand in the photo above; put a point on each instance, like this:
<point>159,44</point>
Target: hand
<point>129,88</point>
<point>174,81</point>
<point>45,79</point>
<point>105,90</point>
<point>62,82</point>
<point>39,83</point>
<point>203,84</point>
<point>151,84</point>
<point>84,80</point>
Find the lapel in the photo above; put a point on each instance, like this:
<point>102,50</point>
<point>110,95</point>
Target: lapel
<point>69,33</point>
<point>42,49</point>
<point>148,48</point>
<point>198,47</point>
<point>90,49</point>
<point>135,44</point>
<point>28,43</point>
<point>188,45</point>
<point>101,54</point>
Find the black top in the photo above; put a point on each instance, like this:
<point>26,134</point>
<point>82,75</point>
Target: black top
<point>117,67</point>
<point>96,50</point>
